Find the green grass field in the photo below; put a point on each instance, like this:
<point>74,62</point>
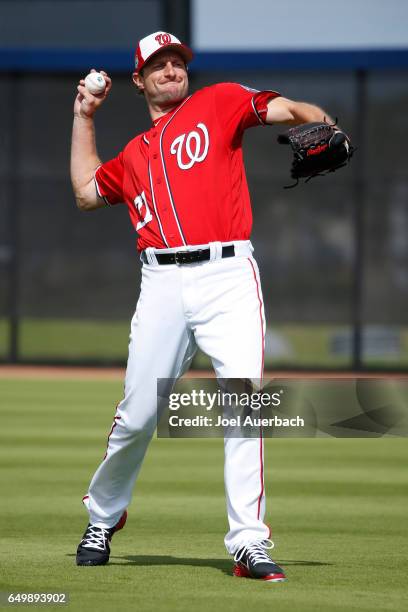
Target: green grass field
<point>338,510</point>
<point>71,339</point>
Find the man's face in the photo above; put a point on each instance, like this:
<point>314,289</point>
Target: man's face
<point>164,79</point>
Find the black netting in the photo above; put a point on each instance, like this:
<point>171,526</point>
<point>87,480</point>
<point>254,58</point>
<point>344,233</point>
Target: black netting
<point>83,266</point>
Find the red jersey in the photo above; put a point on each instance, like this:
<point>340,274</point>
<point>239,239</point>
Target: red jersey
<point>184,180</point>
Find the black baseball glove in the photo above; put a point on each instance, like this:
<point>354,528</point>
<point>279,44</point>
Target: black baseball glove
<point>318,148</point>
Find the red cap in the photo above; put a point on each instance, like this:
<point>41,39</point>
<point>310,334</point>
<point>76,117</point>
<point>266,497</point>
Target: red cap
<point>152,44</point>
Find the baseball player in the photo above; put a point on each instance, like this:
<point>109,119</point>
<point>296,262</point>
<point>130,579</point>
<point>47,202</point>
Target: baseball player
<point>184,184</point>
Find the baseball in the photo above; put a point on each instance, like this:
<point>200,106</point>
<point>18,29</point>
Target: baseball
<point>95,83</point>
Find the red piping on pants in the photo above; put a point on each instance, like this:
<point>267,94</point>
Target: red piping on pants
<point>117,418</point>
<point>262,367</point>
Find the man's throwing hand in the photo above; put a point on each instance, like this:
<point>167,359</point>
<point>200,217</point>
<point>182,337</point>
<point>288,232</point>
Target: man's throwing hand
<point>87,103</point>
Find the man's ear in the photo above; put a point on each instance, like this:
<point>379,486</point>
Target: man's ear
<point>138,81</point>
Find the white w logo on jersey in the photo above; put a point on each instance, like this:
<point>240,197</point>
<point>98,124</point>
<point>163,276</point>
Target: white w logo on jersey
<point>183,147</point>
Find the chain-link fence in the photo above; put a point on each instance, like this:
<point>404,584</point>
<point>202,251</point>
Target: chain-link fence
<point>75,281</point>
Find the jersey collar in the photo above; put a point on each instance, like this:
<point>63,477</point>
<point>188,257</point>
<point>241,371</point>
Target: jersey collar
<point>157,121</point>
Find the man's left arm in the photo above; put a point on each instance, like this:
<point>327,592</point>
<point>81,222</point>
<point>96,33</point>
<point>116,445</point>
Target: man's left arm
<point>289,112</point>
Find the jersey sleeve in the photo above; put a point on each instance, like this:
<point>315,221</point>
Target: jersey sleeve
<point>239,107</point>
<point>109,180</point>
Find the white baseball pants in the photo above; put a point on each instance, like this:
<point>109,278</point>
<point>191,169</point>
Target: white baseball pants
<point>217,306</point>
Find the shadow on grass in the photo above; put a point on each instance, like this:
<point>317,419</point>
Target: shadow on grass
<point>225,565</point>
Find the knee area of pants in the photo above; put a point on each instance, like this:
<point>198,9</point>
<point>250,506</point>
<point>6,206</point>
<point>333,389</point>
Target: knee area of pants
<point>138,430</point>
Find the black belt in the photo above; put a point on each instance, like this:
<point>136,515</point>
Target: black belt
<point>188,257</point>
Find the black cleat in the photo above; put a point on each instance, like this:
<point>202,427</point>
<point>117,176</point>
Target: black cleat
<point>94,547</point>
<point>253,561</point>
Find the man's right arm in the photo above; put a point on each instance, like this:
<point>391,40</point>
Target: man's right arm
<point>84,156</point>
